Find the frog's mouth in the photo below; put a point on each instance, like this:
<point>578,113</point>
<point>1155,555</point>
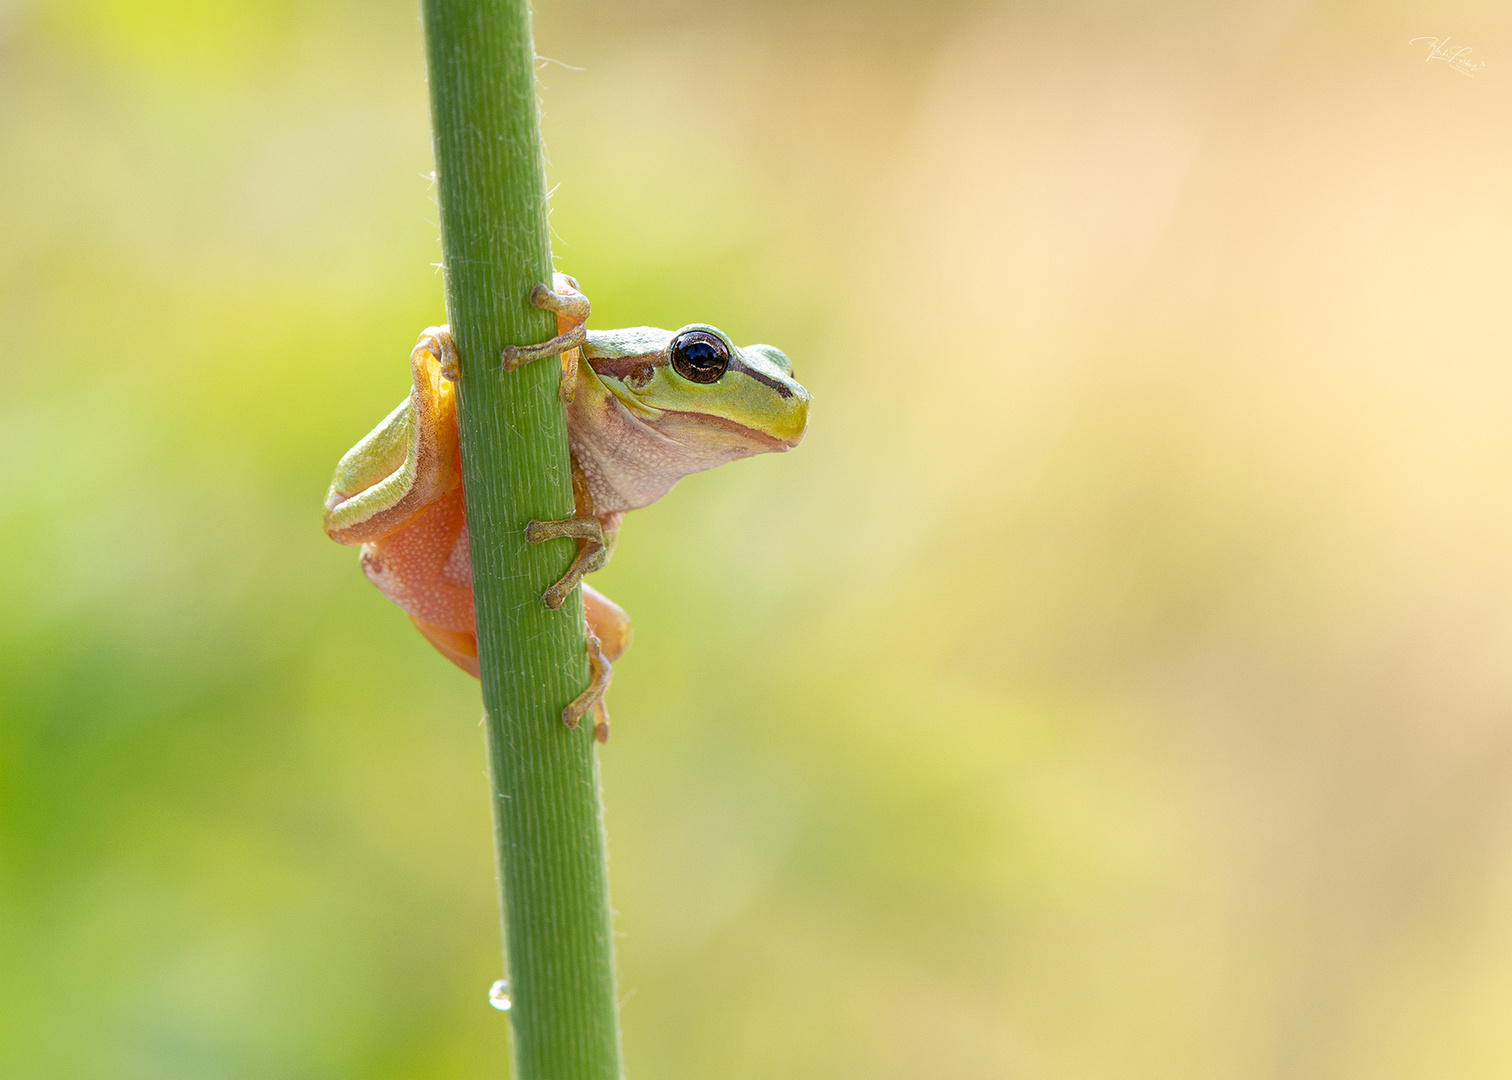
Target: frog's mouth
<point>697,430</point>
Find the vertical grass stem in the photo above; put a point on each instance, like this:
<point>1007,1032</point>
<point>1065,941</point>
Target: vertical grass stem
<point>548,828</point>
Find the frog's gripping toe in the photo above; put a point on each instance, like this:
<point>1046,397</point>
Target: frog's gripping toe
<point>591,556</point>
<point>572,310</point>
<point>600,671</point>
<point>515,356</point>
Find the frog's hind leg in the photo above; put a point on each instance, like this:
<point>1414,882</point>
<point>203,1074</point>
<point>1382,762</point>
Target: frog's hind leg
<point>408,461</point>
<point>606,637</point>
<point>379,454</point>
<point>600,670</point>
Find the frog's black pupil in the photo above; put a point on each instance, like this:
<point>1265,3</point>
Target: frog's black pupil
<point>700,358</point>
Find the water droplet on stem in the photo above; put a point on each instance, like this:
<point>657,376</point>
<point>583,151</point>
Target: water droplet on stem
<point>498,995</point>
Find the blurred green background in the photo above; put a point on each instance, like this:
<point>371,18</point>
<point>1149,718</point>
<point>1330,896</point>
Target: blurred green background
<point>1116,684</point>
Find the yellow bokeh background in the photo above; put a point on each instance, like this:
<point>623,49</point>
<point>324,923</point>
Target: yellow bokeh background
<point>1116,684</point>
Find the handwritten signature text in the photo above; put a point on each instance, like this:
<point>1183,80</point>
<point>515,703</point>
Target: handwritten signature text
<point>1457,57</point>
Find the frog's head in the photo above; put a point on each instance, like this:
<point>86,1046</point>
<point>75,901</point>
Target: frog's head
<point>699,389</point>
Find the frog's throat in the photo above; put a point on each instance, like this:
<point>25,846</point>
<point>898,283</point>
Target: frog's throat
<point>631,458</point>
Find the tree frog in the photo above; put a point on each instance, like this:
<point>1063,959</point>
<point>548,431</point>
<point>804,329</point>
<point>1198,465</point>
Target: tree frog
<point>645,407</point>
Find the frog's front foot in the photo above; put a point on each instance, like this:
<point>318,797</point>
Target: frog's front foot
<point>571,308</point>
<point>591,556</point>
<point>437,341</point>
<point>599,673</point>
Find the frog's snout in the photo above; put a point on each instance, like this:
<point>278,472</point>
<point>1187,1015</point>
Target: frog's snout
<point>782,401</point>
<point>791,420</point>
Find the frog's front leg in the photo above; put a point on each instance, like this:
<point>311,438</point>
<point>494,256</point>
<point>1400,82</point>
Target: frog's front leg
<point>572,310</point>
<point>595,536</point>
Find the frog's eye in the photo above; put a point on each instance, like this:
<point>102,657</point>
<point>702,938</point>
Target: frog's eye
<point>699,356</point>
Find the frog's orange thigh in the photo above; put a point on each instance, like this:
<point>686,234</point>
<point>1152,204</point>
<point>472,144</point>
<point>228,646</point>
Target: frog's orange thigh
<point>413,565</point>
<point>458,646</point>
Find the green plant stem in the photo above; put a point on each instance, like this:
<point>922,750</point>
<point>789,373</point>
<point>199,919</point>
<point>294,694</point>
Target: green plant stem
<point>553,882</point>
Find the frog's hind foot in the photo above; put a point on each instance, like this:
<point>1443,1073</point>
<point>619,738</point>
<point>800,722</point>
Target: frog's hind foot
<point>437,341</point>
<point>600,671</point>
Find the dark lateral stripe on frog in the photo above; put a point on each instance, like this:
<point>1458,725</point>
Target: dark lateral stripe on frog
<point>622,367</point>
<point>766,380</point>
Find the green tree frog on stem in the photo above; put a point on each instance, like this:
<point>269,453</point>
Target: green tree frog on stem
<point>645,407</point>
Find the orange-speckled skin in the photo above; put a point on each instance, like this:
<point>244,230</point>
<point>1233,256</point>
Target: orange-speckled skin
<point>423,567</point>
